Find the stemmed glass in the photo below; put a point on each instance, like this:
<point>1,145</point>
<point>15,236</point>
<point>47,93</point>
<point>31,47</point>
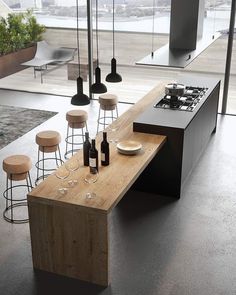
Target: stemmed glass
<point>91,177</point>
<point>72,165</point>
<point>112,129</point>
<point>62,173</point>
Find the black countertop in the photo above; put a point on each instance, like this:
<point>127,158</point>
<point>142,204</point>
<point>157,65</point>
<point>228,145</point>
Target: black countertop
<point>175,118</point>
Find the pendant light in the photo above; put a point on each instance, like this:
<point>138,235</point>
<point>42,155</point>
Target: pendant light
<point>153,28</point>
<point>113,77</point>
<point>214,21</point>
<point>79,98</point>
<point>98,86</point>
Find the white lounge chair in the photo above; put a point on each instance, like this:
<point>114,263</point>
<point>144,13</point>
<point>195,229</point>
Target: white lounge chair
<point>48,55</point>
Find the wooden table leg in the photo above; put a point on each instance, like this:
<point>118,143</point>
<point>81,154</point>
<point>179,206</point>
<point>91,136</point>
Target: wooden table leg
<point>70,242</point>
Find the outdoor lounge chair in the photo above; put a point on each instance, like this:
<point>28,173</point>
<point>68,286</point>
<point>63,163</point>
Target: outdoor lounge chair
<point>48,55</point>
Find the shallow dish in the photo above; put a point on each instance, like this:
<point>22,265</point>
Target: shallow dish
<point>128,147</point>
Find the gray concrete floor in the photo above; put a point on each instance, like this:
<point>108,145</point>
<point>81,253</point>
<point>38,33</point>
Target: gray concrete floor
<point>159,245</point>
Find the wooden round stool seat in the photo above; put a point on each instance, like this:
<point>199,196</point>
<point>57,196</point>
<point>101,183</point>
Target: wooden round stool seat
<point>107,105</point>
<point>108,101</point>
<point>77,118</point>
<point>17,166</point>
<point>48,140</point>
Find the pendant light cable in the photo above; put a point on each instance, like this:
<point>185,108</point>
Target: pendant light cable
<point>153,27</point>
<point>98,86</point>
<point>214,20</point>
<point>79,98</point>
<point>77,26</point>
<point>97,30</point>
<point>113,77</point>
<point>113,28</point>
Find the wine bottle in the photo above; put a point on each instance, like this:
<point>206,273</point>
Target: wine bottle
<point>105,153</point>
<point>86,148</point>
<point>93,157</point>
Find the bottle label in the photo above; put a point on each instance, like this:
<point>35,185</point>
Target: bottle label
<point>103,157</point>
<point>92,162</point>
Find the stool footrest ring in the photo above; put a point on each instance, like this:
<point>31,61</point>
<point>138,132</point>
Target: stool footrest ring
<point>18,221</point>
<point>15,186</point>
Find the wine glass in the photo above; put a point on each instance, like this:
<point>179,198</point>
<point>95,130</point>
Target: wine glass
<point>112,129</point>
<point>91,177</point>
<point>72,165</point>
<point>62,173</point>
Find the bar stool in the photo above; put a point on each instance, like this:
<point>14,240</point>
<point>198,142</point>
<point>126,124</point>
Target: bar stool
<point>77,119</point>
<point>108,102</point>
<point>48,142</point>
<point>17,168</point>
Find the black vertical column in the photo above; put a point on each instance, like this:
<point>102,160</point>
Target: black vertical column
<point>90,44</point>
<point>229,56</point>
<point>184,24</point>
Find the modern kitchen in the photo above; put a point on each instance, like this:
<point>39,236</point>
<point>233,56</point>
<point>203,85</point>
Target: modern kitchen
<point>153,213</point>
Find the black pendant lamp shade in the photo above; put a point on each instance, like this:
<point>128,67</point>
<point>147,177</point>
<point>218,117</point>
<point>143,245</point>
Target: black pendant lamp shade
<point>98,86</point>
<point>113,77</point>
<point>79,99</point>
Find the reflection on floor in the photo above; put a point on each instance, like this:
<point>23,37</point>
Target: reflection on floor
<point>158,245</point>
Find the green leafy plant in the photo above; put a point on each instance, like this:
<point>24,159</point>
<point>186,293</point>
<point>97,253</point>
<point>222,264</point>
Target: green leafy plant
<point>19,31</point>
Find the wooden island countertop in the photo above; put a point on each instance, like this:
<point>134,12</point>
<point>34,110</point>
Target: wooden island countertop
<point>70,233</point>
<point>113,180</point>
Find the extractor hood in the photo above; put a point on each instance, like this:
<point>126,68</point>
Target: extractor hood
<point>187,40</point>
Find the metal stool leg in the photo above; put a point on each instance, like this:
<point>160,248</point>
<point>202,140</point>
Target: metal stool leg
<point>104,120</point>
<point>6,192</point>
<point>29,182</point>
<point>11,198</point>
<point>67,136</point>
<point>15,203</point>
<point>58,157</point>
<point>55,153</point>
<point>37,176</point>
<point>59,151</point>
<point>43,164</point>
<point>98,122</point>
<point>75,139</point>
<point>72,139</point>
<point>117,112</point>
<point>83,135</point>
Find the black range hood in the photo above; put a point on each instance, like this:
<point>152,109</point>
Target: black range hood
<point>186,36</point>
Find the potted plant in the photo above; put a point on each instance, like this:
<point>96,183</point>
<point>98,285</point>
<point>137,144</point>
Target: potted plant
<point>19,34</point>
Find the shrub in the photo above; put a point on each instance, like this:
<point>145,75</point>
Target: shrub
<point>19,31</point>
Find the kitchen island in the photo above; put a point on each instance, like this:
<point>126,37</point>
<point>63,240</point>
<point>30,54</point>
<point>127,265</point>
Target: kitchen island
<point>188,133</point>
<point>70,233</point>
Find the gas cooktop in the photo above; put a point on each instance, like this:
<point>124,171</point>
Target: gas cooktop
<point>187,102</point>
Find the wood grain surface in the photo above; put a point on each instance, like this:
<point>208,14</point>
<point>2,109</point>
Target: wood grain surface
<point>113,180</point>
<point>70,233</point>
<point>70,244</point>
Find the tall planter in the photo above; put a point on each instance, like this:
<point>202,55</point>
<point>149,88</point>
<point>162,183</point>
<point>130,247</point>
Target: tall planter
<point>11,62</point>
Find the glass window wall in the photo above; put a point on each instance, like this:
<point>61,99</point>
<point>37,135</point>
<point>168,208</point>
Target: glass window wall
<point>137,16</point>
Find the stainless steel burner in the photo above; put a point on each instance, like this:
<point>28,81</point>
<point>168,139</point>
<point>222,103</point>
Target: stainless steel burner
<point>187,102</point>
